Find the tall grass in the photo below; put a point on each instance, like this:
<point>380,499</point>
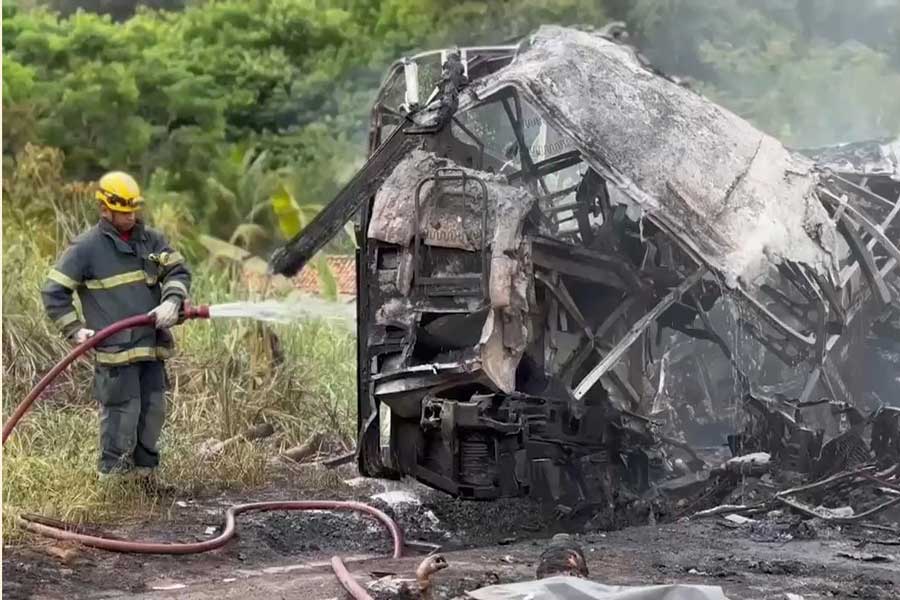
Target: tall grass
<point>226,376</point>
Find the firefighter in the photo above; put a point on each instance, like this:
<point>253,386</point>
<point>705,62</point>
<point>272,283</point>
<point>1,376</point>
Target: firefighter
<point>120,268</point>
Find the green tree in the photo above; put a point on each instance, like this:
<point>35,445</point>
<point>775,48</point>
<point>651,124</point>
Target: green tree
<point>172,95</point>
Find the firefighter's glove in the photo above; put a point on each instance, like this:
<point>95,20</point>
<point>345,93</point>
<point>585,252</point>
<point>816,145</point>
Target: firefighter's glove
<point>166,314</point>
<point>82,335</point>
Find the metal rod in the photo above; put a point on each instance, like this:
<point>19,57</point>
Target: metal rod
<point>887,221</point>
<point>475,139</point>
<point>864,258</point>
<point>866,224</point>
<point>562,294</point>
<point>875,230</point>
<point>773,319</point>
<point>853,187</point>
<point>635,332</point>
<point>584,351</point>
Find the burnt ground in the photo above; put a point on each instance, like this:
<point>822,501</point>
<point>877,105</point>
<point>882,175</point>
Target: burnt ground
<point>285,555</point>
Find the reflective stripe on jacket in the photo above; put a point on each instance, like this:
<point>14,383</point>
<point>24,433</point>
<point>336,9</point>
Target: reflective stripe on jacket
<point>115,279</point>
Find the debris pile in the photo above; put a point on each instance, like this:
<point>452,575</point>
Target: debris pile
<point>775,500</point>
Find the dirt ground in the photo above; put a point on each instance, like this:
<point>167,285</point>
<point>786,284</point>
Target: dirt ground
<point>286,555</point>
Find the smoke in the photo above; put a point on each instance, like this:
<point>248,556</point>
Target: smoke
<point>811,73</point>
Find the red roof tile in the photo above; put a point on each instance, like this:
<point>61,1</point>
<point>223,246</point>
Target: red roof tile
<point>342,267</point>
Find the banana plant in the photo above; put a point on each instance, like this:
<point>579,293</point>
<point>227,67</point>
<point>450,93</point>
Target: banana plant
<point>292,219</point>
<point>238,194</point>
<point>241,198</point>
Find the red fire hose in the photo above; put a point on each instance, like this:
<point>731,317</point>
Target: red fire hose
<point>63,531</point>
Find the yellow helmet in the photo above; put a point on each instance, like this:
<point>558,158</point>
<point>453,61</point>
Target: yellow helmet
<point>119,192</point>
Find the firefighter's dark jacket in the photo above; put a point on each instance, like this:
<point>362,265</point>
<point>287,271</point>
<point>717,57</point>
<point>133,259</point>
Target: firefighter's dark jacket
<point>115,279</point>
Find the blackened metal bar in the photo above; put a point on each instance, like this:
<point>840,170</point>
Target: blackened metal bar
<point>831,295</point>
<point>291,257</point>
<point>887,220</point>
<point>823,309</point>
<point>598,273</point>
<point>858,189</point>
<point>612,262</point>
<point>858,303</point>
<point>585,194</point>
<point>527,162</point>
<point>865,259</point>
<point>821,332</point>
<point>368,444</point>
<point>833,298</point>
<point>590,344</point>
<point>723,345</point>
<point>552,342</point>
<point>776,346</point>
<point>798,309</point>
<point>417,226</point>
<point>794,273</point>
<point>635,332</point>
<point>764,312</point>
<point>550,165</point>
<point>475,139</point>
<point>810,386</point>
<point>485,256</point>
<point>561,193</point>
<point>850,270</point>
<point>866,224</point>
<point>459,280</point>
<point>562,294</point>
<point>783,327</point>
<point>835,383</point>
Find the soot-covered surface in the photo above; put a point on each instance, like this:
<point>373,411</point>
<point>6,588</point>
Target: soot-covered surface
<point>32,569</point>
<point>282,554</point>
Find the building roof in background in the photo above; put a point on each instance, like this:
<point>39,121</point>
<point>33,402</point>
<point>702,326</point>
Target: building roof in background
<point>343,268</point>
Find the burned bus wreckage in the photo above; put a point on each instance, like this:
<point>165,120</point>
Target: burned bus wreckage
<point>570,266</point>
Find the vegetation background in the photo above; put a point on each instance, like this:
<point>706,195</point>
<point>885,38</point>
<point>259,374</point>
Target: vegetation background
<point>229,109</point>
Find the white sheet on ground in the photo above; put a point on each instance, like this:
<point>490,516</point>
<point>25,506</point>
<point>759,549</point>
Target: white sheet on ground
<point>573,588</point>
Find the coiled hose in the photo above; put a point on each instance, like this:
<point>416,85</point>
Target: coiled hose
<point>69,532</point>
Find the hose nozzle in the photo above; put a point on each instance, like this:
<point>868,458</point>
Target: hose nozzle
<point>189,311</point>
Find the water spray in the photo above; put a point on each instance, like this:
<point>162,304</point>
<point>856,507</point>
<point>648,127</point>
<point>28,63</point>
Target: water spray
<point>66,531</point>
